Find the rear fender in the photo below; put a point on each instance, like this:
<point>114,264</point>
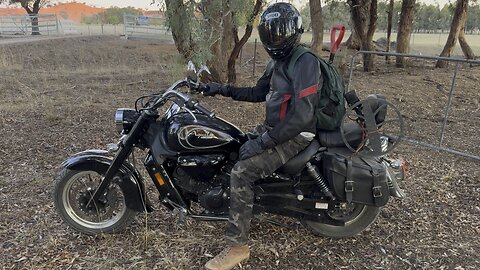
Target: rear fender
<point>131,183</point>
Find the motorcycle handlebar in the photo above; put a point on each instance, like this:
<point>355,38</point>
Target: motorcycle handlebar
<point>189,103</point>
<point>204,110</point>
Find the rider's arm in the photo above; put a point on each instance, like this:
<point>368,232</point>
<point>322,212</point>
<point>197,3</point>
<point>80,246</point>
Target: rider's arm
<point>303,101</point>
<point>257,93</point>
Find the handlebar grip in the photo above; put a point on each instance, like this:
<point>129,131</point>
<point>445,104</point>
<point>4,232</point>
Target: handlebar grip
<point>204,110</point>
<point>202,88</point>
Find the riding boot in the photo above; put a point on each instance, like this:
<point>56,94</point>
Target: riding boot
<point>230,257</point>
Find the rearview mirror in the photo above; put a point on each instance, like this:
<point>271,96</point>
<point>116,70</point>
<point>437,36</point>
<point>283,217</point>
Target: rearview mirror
<point>191,71</point>
<point>203,68</point>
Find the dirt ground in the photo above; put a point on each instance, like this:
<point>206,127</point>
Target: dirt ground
<point>58,98</point>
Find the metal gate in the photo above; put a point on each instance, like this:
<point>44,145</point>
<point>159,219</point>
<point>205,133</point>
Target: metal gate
<point>47,24</point>
<point>440,145</point>
<point>144,26</point>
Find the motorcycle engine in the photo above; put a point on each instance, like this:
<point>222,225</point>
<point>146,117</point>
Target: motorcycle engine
<point>201,180</point>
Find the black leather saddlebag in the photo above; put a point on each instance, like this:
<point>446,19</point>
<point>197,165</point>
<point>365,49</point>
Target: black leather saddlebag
<point>356,179</point>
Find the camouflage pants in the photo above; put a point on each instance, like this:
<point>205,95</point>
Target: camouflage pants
<point>244,174</point>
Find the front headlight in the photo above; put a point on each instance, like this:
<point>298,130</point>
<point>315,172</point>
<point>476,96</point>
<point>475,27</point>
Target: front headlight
<point>125,119</point>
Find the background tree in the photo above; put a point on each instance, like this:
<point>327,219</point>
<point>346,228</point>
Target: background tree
<point>317,25</point>
<point>389,25</point>
<point>457,25</point>
<point>207,31</point>
<point>112,15</point>
<point>32,7</point>
<point>364,19</point>
<point>239,43</point>
<point>405,30</point>
<point>473,19</point>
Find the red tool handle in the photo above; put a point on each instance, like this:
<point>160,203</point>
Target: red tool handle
<point>335,43</point>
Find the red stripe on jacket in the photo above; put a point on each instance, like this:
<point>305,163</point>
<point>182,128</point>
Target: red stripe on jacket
<point>308,91</point>
<point>283,107</point>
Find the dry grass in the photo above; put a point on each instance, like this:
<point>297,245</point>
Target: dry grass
<point>61,100</point>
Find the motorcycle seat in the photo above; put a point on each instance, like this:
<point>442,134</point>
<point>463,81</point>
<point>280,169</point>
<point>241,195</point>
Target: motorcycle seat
<point>353,135</point>
<point>296,164</point>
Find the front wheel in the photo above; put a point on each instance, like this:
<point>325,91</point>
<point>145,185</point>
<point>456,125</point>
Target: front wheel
<point>73,191</point>
<point>357,217</point>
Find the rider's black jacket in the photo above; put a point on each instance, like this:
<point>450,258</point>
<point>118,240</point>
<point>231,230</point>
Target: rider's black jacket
<point>290,104</point>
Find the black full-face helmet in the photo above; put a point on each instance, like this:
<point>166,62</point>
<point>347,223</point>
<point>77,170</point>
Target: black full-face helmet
<point>280,29</point>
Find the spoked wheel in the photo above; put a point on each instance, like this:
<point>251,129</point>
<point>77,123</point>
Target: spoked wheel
<point>73,191</point>
<point>357,217</point>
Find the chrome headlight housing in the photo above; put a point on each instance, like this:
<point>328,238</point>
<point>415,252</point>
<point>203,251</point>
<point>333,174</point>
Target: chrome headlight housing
<point>125,119</point>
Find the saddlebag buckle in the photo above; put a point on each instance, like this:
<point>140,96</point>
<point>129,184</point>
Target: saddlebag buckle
<point>348,186</point>
<point>377,191</point>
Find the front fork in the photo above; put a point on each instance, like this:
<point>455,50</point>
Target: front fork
<point>125,149</point>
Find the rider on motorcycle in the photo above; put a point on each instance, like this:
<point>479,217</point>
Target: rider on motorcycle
<point>289,126</point>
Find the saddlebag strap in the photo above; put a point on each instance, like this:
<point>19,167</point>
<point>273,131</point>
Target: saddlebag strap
<point>349,181</point>
<point>377,188</point>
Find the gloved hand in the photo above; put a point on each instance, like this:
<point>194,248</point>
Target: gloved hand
<point>214,88</point>
<point>256,146</point>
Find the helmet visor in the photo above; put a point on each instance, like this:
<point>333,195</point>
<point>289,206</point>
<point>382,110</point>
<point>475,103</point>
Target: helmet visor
<point>274,33</point>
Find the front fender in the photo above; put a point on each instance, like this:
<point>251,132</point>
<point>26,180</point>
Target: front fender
<point>131,184</point>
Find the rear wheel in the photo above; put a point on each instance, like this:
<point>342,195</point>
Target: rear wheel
<point>73,191</point>
<point>357,217</point>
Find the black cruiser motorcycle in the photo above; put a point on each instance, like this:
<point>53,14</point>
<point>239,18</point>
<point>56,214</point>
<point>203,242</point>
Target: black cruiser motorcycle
<point>190,153</point>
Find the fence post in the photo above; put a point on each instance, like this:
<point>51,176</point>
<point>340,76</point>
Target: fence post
<point>447,107</point>
<point>56,24</point>
<point>254,58</point>
<point>125,25</point>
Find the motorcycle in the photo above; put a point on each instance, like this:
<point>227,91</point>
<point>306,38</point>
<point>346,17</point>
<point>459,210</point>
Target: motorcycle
<point>190,153</point>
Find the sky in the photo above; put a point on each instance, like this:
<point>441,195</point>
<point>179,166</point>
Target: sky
<point>146,4</point>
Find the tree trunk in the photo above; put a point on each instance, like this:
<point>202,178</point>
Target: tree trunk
<point>364,18</point>
<point>467,51</point>
<point>33,14</point>
<point>232,73</point>
<point>372,25</point>
<point>457,22</point>
<point>317,25</point>
<point>224,30</point>
<point>178,21</point>
<point>353,41</point>
<point>389,27</point>
<point>404,30</point>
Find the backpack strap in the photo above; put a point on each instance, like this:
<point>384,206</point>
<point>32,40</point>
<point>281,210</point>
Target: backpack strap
<point>297,53</point>
<point>269,68</point>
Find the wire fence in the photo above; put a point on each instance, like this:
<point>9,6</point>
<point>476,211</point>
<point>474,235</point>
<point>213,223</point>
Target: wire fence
<point>440,144</point>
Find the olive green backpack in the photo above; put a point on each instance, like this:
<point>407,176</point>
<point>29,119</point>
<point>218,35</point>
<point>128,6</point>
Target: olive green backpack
<point>331,107</point>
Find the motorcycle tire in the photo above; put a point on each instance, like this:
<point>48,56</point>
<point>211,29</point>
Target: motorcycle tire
<point>70,202</point>
<point>362,217</point>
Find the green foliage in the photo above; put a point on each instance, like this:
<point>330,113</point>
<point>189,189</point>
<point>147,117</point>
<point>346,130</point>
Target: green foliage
<point>428,17</point>
<point>382,10</point>
<point>113,15</point>
<point>332,12</point>
<point>306,18</point>
<point>473,18</point>
<point>204,20</point>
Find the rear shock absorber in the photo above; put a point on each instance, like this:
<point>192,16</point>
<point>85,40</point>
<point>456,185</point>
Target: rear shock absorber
<point>313,170</point>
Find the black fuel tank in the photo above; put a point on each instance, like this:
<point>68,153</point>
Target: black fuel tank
<point>188,134</point>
